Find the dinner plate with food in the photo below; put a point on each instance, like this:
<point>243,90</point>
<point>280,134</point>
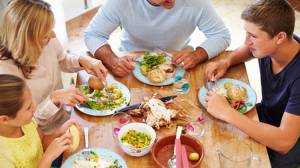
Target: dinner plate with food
<point>104,98</point>
<point>240,95</point>
<point>97,158</point>
<point>156,68</point>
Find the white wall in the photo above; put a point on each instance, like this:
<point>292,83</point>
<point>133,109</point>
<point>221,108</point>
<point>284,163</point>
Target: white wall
<point>60,24</point>
<point>73,8</point>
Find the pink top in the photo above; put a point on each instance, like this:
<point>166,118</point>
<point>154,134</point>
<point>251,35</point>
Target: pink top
<point>46,77</point>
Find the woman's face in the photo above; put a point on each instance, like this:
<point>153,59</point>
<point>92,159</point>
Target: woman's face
<point>47,38</point>
<point>168,4</point>
<point>25,114</point>
<point>258,41</point>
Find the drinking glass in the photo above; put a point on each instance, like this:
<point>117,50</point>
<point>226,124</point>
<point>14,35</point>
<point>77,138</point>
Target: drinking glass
<point>195,128</point>
<point>181,83</point>
<point>119,120</point>
<point>236,154</point>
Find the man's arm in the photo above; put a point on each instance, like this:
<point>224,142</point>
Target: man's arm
<point>118,66</point>
<point>102,25</point>
<point>217,34</point>
<point>106,55</point>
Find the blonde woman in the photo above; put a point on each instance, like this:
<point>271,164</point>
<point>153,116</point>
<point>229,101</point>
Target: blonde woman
<point>29,50</point>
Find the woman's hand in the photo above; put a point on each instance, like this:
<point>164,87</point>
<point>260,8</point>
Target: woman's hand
<point>93,66</point>
<point>218,106</point>
<point>215,70</point>
<point>70,96</point>
<point>57,147</point>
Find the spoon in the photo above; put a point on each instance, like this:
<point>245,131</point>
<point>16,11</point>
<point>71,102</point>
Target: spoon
<point>172,161</point>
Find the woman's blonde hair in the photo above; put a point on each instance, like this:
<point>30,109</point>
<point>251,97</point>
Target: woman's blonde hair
<point>24,25</point>
<point>11,94</point>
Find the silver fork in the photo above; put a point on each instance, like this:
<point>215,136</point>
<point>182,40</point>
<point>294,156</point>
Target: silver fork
<point>86,151</point>
<point>208,85</point>
<point>109,93</point>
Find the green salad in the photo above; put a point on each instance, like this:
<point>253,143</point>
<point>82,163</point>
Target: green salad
<point>150,61</point>
<point>109,98</point>
<point>115,164</point>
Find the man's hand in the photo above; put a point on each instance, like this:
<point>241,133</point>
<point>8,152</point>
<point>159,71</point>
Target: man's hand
<point>189,59</point>
<point>122,66</point>
<point>119,67</point>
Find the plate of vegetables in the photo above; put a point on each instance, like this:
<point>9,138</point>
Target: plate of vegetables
<point>97,158</point>
<point>156,68</point>
<point>102,102</point>
<point>240,95</point>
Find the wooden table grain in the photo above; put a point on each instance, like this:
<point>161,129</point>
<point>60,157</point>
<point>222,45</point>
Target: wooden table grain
<point>216,132</point>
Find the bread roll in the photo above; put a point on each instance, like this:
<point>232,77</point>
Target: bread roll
<point>74,131</point>
<point>95,83</point>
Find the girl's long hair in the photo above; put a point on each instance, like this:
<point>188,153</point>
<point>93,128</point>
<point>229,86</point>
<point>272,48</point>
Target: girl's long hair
<point>24,25</point>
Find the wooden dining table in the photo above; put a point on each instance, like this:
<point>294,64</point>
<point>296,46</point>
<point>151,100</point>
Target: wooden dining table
<point>216,133</point>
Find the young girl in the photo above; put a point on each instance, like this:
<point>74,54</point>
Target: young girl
<point>21,142</point>
<point>269,25</point>
<point>29,50</point>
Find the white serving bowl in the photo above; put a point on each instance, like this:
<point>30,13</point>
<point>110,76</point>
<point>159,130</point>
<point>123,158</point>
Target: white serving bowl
<point>138,127</point>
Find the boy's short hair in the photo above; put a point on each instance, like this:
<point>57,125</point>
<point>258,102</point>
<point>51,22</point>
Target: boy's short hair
<point>273,16</point>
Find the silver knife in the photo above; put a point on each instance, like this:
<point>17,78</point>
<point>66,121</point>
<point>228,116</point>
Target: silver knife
<point>135,106</point>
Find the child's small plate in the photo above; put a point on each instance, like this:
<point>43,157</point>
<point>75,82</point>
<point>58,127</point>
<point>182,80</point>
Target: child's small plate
<point>106,157</point>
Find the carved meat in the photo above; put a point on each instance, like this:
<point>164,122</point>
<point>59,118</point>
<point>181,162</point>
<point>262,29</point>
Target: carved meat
<point>156,114</point>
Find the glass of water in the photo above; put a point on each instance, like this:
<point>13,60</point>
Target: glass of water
<point>181,83</point>
<point>119,120</point>
<point>195,128</point>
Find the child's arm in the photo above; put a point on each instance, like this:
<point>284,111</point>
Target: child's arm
<point>217,69</point>
<point>55,143</point>
<point>280,139</point>
<point>48,138</point>
<point>55,148</point>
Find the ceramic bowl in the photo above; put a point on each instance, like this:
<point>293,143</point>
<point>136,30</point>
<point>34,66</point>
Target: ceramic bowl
<point>163,150</point>
<point>139,127</point>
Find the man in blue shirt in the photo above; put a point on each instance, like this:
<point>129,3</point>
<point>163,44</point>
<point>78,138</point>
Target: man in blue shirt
<point>156,24</point>
<point>269,26</point>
